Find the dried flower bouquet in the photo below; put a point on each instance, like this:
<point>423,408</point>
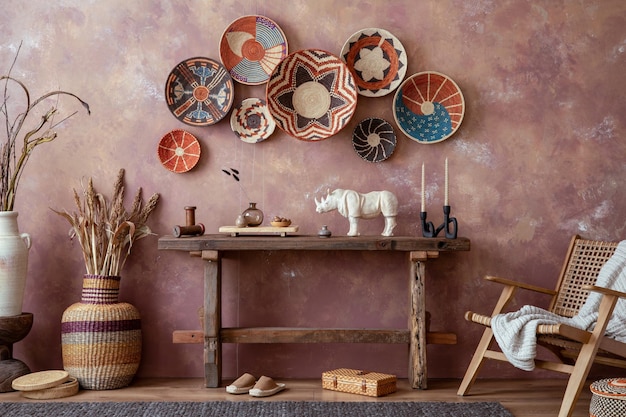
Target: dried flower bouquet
<point>104,228</point>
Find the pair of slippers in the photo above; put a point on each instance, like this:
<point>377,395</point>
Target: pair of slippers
<point>247,384</point>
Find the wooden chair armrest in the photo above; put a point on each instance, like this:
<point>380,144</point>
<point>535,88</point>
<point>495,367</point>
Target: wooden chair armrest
<point>522,285</point>
<point>606,291</point>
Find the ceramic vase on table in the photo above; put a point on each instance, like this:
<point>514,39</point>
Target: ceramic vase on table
<point>100,336</point>
<point>14,247</point>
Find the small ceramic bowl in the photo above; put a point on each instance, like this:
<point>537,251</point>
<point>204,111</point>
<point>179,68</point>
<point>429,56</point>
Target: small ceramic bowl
<point>281,224</point>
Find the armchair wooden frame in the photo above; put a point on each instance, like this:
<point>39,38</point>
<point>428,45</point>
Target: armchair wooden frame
<point>576,350</point>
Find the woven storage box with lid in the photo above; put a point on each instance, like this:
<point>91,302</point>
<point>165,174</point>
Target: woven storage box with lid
<point>608,398</point>
<point>354,381</point>
<point>46,385</point>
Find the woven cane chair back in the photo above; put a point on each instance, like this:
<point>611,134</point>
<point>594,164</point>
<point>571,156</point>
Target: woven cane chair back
<point>586,258</point>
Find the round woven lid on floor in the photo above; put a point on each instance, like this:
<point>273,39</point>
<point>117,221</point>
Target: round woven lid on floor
<point>40,380</point>
<point>610,388</point>
<point>66,389</point>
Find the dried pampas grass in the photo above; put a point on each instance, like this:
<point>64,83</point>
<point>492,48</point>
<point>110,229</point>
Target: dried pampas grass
<point>105,230</point>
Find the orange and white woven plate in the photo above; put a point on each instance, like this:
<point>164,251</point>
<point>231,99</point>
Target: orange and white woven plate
<point>179,151</point>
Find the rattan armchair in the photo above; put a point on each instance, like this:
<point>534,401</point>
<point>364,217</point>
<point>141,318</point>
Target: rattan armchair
<point>575,349</point>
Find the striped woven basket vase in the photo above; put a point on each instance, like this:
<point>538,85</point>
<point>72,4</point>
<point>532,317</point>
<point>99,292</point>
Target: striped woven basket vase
<point>101,337</point>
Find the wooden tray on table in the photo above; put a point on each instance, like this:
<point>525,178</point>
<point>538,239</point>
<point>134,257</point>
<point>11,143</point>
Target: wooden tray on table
<point>258,230</point>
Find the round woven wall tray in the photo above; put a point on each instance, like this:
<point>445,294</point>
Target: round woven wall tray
<point>179,151</point>
<point>374,140</point>
<point>377,60</point>
<point>428,107</point>
<point>199,91</point>
<point>311,94</point>
<point>251,120</point>
<point>251,47</point>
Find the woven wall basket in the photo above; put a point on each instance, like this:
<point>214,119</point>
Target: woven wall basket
<point>101,337</point>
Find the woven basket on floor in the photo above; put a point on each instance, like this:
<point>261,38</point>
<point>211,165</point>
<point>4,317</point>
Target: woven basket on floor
<point>355,381</point>
<point>101,337</point>
<point>608,398</point>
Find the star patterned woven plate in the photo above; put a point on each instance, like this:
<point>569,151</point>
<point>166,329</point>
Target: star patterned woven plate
<point>251,47</point>
<point>311,94</point>
<point>377,60</point>
<point>428,107</point>
<point>199,91</point>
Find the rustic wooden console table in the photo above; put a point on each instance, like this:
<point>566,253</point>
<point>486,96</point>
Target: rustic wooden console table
<point>210,248</point>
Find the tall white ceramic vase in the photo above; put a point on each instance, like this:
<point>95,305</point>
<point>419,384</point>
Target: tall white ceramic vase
<point>14,248</point>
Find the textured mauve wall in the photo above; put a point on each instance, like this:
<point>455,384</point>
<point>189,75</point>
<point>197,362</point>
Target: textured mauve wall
<point>539,157</point>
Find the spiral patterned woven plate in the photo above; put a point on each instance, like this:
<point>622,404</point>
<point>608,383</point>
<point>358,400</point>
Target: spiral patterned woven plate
<point>428,107</point>
<point>251,121</point>
<point>179,151</point>
<point>377,60</point>
<point>199,91</point>
<point>251,47</point>
<point>311,94</point>
<point>374,140</point>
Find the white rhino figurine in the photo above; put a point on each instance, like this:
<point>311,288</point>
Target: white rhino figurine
<point>355,206</point>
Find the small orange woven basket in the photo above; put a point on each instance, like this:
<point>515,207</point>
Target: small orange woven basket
<point>179,151</point>
<point>354,381</point>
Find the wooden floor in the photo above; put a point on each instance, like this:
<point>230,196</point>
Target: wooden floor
<point>523,398</point>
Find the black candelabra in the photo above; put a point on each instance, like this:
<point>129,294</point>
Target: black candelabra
<point>449,225</point>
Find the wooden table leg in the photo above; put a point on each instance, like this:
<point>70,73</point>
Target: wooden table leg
<point>417,322</point>
<point>212,319</point>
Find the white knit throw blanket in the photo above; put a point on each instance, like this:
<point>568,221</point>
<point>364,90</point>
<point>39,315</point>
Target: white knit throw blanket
<point>515,332</point>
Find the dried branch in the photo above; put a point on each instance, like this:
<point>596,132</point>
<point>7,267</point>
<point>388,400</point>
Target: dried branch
<point>15,154</point>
